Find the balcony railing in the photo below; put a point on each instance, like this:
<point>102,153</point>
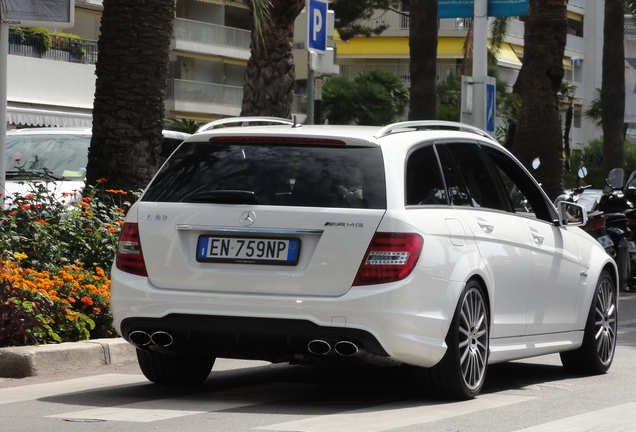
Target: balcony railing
<point>217,94</point>
<point>211,34</point>
<point>402,70</point>
<point>62,48</point>
<point>397,21</point>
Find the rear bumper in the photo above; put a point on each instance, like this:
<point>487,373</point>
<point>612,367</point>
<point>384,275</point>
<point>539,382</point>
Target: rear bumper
<point>401,322</point>
<point>270,339</point>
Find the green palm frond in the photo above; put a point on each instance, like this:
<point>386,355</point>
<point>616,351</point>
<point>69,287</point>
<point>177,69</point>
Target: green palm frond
<point>261,18</point>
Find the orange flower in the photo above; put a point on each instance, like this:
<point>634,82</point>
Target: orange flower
<point>87,301</point>
<point>25,207</point>
<point>83,204</point>
<point>41,221</point>
<point>87,199</point>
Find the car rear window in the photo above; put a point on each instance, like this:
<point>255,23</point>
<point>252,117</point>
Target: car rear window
<point>272,174</point>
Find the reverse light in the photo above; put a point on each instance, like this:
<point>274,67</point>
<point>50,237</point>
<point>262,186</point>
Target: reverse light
<point>130,258</point>
<point>390,257</point>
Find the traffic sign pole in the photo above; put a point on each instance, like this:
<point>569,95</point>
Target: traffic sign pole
<point>480,63</point>
<point>316,46</point>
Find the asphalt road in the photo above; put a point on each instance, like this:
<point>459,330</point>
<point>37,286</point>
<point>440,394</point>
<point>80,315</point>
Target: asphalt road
<point>530,395</point>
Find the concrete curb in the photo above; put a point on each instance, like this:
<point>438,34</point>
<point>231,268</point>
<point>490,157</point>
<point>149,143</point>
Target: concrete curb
<point>20,362</point>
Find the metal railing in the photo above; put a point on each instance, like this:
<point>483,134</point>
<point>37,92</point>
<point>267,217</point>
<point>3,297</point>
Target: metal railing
<point>219,94</point>
<point>402,70</point>
<point>212,34</point>
<point>62,48</point>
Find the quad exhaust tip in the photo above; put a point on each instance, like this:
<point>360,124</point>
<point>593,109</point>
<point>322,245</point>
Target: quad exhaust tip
<point>319,347</point>
<point>344,348</point>
<point>159,338</point>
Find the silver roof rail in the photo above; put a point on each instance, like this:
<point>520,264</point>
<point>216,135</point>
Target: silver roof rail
<point>245,121</point>
<point>430,124</point>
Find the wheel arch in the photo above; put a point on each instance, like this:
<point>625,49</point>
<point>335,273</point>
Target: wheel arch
<point>486,292</point>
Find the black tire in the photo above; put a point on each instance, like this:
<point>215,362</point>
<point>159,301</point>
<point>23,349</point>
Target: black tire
<point>596,354</point>
<point>461,373</point>
<point>177,370</point>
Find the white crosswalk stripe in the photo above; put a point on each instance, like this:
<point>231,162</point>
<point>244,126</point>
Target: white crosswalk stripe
<point>388,417</point>
<point>37,391</point>
<point>620,418</point>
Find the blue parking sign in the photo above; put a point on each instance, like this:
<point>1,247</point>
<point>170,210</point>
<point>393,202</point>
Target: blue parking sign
<point>491,107</point>
<point>317,25</point>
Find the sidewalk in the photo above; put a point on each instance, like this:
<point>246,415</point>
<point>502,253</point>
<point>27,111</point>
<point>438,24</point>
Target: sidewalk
<point>20,362</point>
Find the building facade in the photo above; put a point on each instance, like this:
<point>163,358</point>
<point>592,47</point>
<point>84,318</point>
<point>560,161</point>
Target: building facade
<point>210,50</point>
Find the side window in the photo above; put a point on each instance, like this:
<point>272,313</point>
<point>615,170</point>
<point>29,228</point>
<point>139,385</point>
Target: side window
<point>424,183</point>
<point>474,168</point>
<point>525,196</point>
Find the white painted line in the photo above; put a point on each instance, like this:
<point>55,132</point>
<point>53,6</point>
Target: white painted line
<point>37,391</point>
<point>394,416</point>
<point>620,418</point>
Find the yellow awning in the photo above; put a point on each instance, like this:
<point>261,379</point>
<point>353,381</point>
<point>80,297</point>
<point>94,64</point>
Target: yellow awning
<point>395,47</point>
<point>575,17</point>
<point>237,4</point>
<point>210,57</point>
<point>507,57</point>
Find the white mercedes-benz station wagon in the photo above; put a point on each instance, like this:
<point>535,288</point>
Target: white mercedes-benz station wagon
<point>423,244</point>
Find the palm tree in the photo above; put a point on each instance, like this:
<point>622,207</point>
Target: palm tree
<point>423,53</point>
<point>538,132</point>
<point>613,84</point>
<point>134,48</point>
<point>270,75</point>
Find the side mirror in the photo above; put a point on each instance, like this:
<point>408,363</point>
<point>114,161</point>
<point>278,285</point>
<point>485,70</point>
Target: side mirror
<point>571,214</point>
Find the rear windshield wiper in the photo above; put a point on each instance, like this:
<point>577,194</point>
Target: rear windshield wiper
<point>30,174</point>
<point>222,197</point>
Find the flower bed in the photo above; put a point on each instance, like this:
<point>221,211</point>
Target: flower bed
<point>53,282</point>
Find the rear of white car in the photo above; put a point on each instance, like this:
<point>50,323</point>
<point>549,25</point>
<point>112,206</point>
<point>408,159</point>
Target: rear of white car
<point>300,268</point>
<point>287,243</point>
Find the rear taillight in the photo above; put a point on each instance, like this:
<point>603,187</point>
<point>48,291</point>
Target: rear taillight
<point>130,258</point>
<point>391,257</point>
<point>595,224</point>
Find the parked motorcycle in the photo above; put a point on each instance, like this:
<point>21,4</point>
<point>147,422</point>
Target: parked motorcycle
<point>620,215</point>
<point>609,221</point>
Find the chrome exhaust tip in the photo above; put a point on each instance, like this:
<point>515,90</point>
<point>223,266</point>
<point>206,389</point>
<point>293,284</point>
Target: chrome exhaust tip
<point>139,338</point>
<point>346,348</point>
<point>319,347</point>
<point>162,338</point>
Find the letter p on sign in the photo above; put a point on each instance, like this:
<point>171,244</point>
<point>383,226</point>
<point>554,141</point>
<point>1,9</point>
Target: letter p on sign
<point>316,25</point>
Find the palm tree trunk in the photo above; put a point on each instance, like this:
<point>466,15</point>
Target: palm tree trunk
<point>269,77</point>
<point>423,53</point>
<point>613,84</point>
<point>134,48</point>
<point>538,132</point>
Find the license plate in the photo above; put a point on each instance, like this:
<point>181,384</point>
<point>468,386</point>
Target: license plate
<point>605,241</point>
<point>241,250</point>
